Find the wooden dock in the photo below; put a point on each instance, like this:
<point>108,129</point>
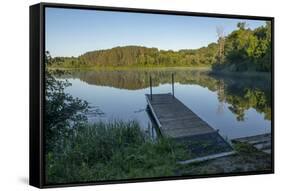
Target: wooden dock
<point>178,122</point>
<point>174,119</point>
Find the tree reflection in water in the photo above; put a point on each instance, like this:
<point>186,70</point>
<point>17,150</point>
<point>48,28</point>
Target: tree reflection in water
<point>241,92</point>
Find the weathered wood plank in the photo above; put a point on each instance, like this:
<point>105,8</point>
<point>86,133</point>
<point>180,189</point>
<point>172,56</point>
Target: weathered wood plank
<point>254,139</point>
<point>260,142</point>
<point>209,157</point>
<point>176,120</point>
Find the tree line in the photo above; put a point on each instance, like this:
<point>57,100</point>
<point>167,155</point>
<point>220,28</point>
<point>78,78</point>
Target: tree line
<point>244,49</point>
<point>140,56</point>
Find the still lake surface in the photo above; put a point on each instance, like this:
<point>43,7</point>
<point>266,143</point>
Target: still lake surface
<point>238,106</point>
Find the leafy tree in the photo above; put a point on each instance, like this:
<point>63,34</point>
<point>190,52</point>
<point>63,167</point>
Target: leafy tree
<point>241,25</point>
<point>247,50</point>
<point>62,111</point>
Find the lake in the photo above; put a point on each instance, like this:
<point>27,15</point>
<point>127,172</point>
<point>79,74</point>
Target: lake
<point>237,106</point>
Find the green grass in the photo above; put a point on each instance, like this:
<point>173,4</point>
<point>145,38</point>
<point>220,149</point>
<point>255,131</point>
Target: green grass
<point>111,151</point>
<point>122,150</point>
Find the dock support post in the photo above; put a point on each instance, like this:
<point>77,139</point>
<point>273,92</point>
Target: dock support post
<point>173,85</point>
<point>150,84</point>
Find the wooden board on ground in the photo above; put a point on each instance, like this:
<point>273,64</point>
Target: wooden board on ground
<point>261,142</point>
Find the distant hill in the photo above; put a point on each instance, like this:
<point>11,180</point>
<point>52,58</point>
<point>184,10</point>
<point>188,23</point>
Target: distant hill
<point>140,56</point>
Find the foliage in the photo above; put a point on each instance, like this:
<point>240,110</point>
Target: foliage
<point>247,49</point>
<point>62,111</point>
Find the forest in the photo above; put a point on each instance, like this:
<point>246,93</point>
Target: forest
<point>140,56</point>
<point>244,49</point>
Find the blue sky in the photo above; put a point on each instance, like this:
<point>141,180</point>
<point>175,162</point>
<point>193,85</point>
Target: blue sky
<point>72,32</point>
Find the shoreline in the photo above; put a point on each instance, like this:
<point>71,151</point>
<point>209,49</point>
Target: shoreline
<point>206,68</point>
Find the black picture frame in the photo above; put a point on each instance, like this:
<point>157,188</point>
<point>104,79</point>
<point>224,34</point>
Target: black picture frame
<point>37,92</point>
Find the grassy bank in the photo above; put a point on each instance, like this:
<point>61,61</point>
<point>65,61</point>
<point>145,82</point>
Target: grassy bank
<point>119,150</point>
<point>111,151</point>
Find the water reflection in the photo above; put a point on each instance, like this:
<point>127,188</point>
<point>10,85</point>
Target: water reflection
<point>236,105</point>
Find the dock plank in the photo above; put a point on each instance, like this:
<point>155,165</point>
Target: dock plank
<point>175,118</point>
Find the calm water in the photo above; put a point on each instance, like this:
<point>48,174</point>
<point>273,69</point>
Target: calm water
<point>237,106</point>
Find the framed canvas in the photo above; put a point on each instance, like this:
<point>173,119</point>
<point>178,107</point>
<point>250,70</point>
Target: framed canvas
<point>131,95</point>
